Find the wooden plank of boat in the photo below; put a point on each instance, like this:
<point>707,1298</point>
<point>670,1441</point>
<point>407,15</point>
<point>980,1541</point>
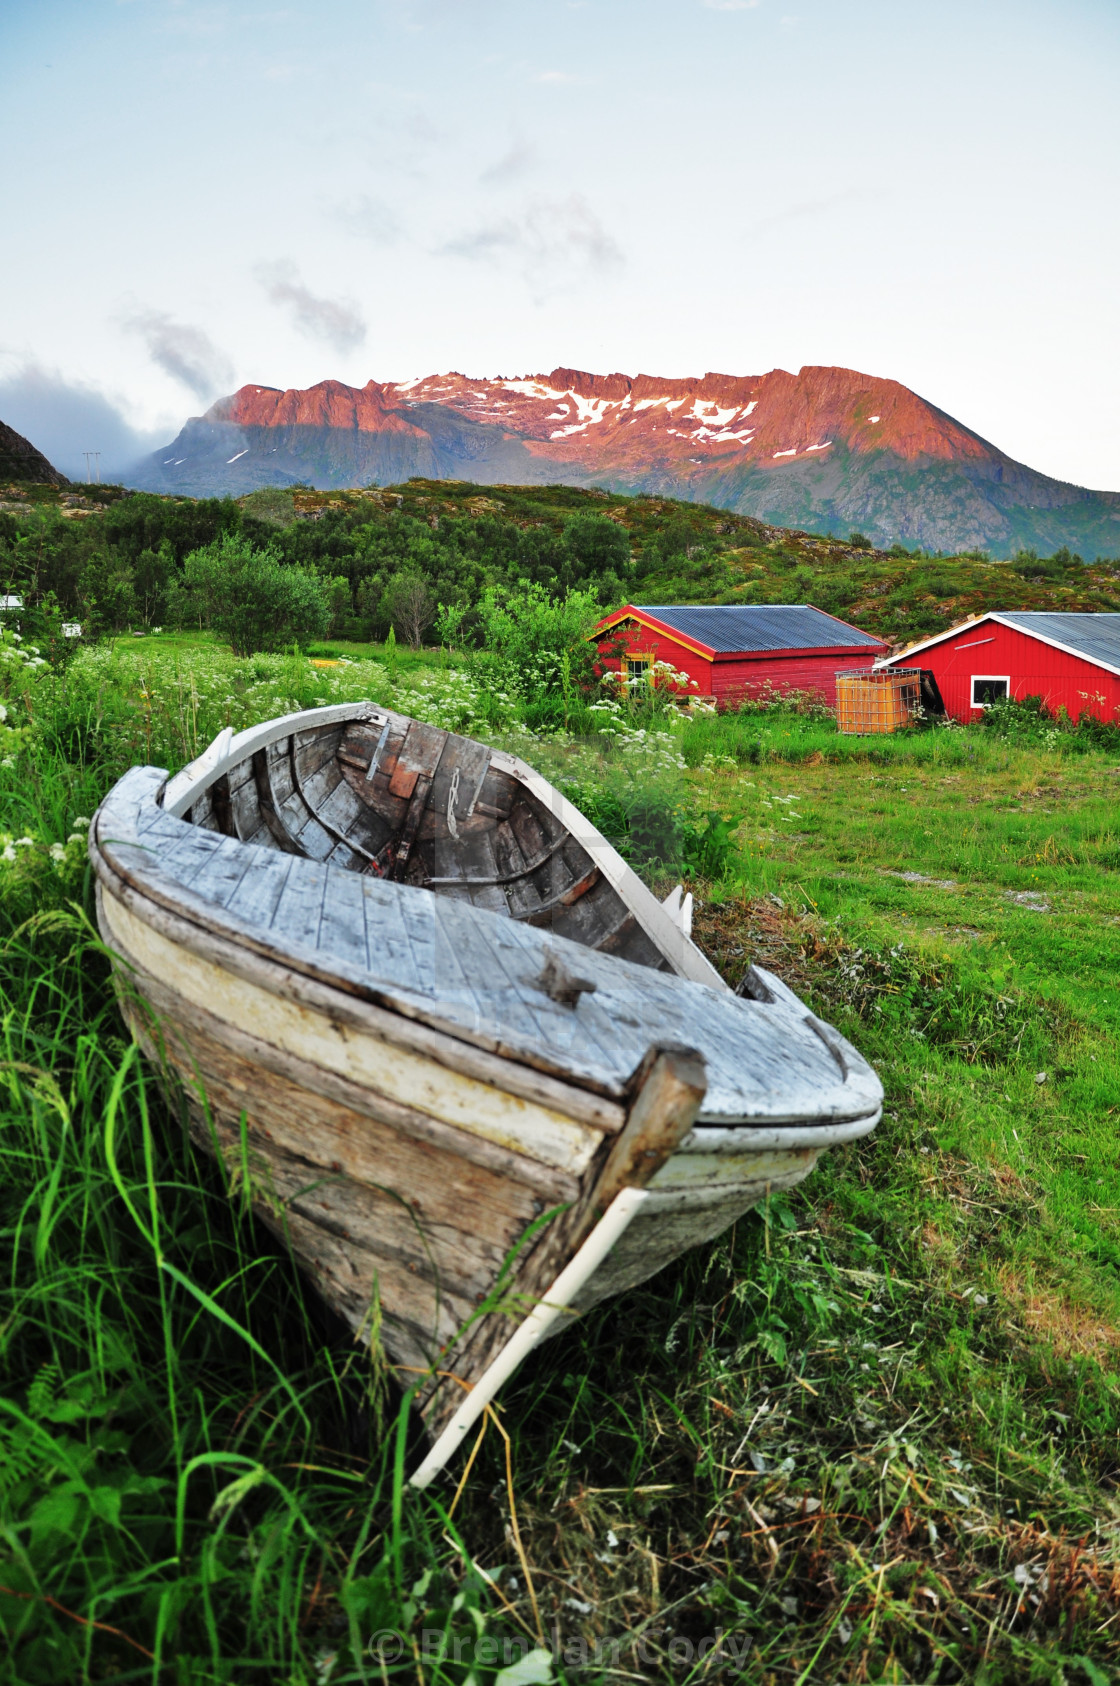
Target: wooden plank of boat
<point>422,1081</point>
<point>504,797</point>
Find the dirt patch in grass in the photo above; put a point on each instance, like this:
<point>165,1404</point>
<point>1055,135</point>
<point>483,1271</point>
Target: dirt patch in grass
<point>1072,1329</point>
<point>941,1248</point>
<point>900,991</point>
<point>758,930</point>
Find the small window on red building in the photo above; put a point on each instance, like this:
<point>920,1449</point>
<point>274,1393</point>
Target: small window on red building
<point>988,688</point>
<point>637,671</point>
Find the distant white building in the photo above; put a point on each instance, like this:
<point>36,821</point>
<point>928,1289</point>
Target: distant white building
<point>10,602</point>
<point>71,629</point>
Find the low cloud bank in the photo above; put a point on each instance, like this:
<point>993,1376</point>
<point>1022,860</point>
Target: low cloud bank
<point>64,418</point>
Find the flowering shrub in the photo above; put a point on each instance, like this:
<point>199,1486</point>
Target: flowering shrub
<point>614,723</point>
<point>665,681</point>
<point>23,673</point>
<point>766,700</point>
<point>64,857</point>
<point>117,708</point>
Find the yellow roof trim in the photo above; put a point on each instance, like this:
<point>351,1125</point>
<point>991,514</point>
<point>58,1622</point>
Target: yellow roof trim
<point>652,625</point>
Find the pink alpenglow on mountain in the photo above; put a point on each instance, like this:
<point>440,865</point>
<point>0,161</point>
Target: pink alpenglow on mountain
<point>826,449</point>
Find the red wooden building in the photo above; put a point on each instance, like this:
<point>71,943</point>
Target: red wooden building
<point>737,650</point>
<point>1071,661</point>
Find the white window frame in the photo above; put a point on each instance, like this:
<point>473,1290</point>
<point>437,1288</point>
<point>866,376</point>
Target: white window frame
<point>987,679</point>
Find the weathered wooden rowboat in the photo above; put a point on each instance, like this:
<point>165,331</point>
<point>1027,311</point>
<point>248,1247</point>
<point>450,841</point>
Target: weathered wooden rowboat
<point>472,1069</point>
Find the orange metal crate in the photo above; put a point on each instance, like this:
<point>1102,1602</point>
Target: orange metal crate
<point>882,700</point>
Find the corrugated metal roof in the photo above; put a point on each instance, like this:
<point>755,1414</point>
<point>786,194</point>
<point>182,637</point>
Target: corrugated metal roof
<point>727,627</point>
<point>1096,637</point>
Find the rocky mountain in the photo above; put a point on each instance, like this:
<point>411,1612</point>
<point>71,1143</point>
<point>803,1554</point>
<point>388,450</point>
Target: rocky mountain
<point>20,461</point>
<point>827,450</point>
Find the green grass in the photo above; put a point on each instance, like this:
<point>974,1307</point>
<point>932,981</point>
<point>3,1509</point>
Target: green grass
<point>405,659</point>
<point>870,1435</point>
<point>133,646</point>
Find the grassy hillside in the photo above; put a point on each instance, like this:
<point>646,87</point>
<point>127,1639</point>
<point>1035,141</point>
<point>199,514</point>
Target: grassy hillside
<point>694,553</point>
<point>113,559</point>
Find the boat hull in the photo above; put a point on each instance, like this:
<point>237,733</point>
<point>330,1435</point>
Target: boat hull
<point>400,1181</point>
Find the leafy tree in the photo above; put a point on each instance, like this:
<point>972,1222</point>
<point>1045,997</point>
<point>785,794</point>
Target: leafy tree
<point>107,593</point>
<point>860,541</point>
<point>367,606</point>
<point>151,581</point>
<point>541,555</point>
<point>595,549</point>
<point>337,589</point>
<point>251,598</point>
<point>685,556</point>
<point>407,603</point>
<point>536,644</point>
<point>143,520</point>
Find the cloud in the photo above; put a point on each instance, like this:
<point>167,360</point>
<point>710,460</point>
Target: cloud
<point>370,218</point>
<point>560,78</point>
<point>515,162</point>
<point>811,208</point>
<point>63,418</point>
<point>337,321</point>
<point>547,239</point>
<point>185,353</point>
<point>731,5</point>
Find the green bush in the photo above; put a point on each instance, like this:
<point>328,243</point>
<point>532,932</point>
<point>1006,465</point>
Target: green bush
<point>641,819</point>
<point>251,598</point>
<point>535,645</point>
<point>1031,566</point>
<point>708,849</point>
<point>1018,719</point>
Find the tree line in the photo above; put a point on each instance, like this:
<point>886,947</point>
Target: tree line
<point>263,577</point>
<point>438,560</point>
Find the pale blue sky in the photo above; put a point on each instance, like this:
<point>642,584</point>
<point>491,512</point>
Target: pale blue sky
<point>200,194</point>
